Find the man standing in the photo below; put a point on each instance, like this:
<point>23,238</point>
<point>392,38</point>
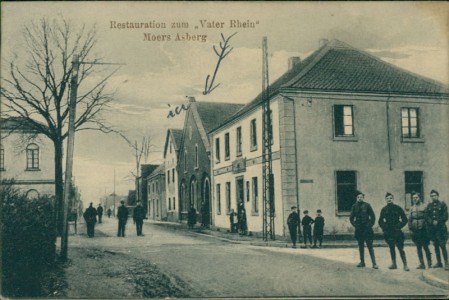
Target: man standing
<point>90,216</point>
<point>417,225</point>
<point>122,216</point>
<point>392,219</point>
<point>362,218</point>
<point>436,216</point>
<point>100,212</point>
<point>292,222</point>
<point>191,217</point>
<point>138,216</point>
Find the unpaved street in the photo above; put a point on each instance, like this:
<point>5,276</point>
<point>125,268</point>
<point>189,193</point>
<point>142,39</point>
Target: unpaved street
<point>172,263</point>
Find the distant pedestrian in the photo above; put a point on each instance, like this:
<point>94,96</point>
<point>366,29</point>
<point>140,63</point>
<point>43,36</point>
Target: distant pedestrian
<point>436,218</point>
<point>191,217</point>
<point>122,215</point>
<point>243,225</point>
<point>138,216</point>
<point>204,215</point>
<point>363,218</point>
<point>417,226</point>
<point>318,229</point>
<point>293,222</point>
<point>100,213</point>
<point>109,212</point>
<point>392,219</point>
<point>90,216</point>
<point>233,221</point>
<point>306,223</point>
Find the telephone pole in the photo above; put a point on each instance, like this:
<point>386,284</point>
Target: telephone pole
<point>70,149</point>
<point>267,137</point>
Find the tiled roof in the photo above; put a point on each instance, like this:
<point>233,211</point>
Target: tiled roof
<point>159,170</point>
<point>344,68</point>
<point>15,123</point>
<point>338,67</point>
<point>177,137</point>
<point>212,114</point>
<point>147,169</point>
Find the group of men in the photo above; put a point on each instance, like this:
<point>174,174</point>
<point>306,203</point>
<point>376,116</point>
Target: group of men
<point>425,223</point>
<point>91,213</point>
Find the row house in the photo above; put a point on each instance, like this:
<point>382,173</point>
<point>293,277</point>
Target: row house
<point>27,157</point>
<point>157,209</point>
<point>342,120</point>
<point>142,184</point>
<point>194,158</point>
<point>171,153</point>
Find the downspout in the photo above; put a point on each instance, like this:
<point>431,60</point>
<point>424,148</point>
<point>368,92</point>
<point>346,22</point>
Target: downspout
<point>296,171</point>
<point>388,129</point>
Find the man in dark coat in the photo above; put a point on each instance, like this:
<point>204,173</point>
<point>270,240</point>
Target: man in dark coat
<point>100,212</point>
<point>138,216</point>
<point>307,228</point>
<point>392,219</point>
<point>293,222</point>
<point>191,217</point>
<point>90,216</point>
<point>122,216</point>
<point>436,216</point>
<point>243,225</point>
<point>362,218</point>
<point>318,229</point>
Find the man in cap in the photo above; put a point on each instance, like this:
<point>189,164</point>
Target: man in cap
<point>362,218</point>
<point>138,216</point>
<point>392,219</point>
<point>90,216</point>
<point>122,216</point>
<point>292,222</point>
<point>436,216</point>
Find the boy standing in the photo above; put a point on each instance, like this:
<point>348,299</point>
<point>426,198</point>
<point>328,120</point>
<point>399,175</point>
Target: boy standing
<point>307,228</point>
<point>318,229</point>
<point>292,222</point>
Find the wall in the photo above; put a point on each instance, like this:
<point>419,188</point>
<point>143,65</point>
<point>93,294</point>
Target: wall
<point>172,186</point>
<point>253,157</point>
<point>42,179</point>
<point>320,155</point>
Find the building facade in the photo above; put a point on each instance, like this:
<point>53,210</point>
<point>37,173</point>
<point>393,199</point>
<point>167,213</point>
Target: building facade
<point>346,121</point>
<point>27,158</point>
<point>194,166</point>
<point>157,209</point>
<point>171,153</point>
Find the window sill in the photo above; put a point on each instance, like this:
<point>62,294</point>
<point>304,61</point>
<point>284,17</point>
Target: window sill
<point>254,213</point>
<point>32,170</point>
<point>218,212</point>
<point>238,154</point>
<point>343,214</point>
<point>2,169</point>
<point>346,139</point>
<point>253,148</point>
<point>217,161</point>
<point>227,158</point>
<point>412,140</point>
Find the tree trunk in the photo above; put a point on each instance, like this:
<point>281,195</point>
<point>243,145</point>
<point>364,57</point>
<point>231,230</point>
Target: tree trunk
<point>59,186</point>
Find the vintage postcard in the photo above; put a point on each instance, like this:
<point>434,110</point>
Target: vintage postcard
<point>224,149</point>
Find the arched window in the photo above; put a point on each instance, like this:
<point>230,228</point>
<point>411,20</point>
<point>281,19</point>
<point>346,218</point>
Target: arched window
<point>32,194</point>
<point>32,157</point>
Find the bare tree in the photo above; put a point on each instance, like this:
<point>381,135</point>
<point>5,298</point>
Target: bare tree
<point>36,88</point>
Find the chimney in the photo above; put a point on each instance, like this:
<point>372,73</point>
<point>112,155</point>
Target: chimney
<point>191,99</point>
<point>293,61</point>
<point>323,42</point>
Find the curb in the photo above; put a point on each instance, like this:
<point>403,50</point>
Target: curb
<point>431,279</point>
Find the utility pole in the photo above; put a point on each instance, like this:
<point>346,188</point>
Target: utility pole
<point>70,149</point>
<point>69,159</point>
<point>113,195</point>
<point>267,136</point>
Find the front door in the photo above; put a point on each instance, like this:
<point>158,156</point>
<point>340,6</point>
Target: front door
<point>239,192</point>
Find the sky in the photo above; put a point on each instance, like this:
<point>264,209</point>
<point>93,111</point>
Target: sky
<point>159,74</point>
